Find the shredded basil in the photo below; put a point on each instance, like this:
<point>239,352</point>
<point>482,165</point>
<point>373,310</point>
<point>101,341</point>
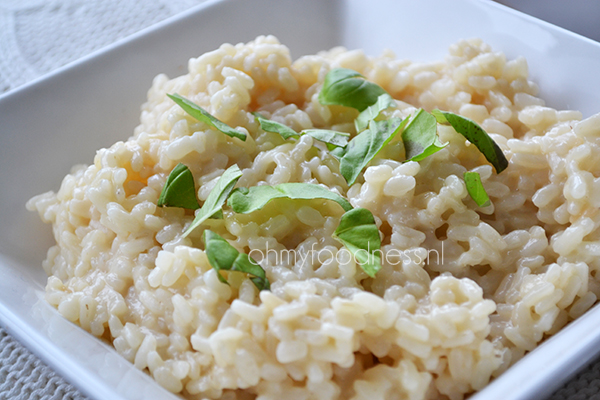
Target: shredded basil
<point>268,125</point>
<point>202,115</point>
<point>420,137</point>
<point>247,200</point>
<point>476,135</point>
<point>216,198</point>
<point>384,101</point>
<point>359,233</point>
<point>223,256</point>
<point>333,138</point>
<point>476,189</point>
<point>365,146</point>
<point>338,152</point>
<point>346,87</point>
<point>179,190</point>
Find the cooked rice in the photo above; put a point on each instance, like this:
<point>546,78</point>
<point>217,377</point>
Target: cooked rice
<point>482,286</point>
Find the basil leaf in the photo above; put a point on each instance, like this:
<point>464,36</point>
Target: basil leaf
<point>223,256</point>
<point>179,190</point>
<point>247,200</point>
<point>476,135</point>
<point>202,115</point>
<point>420,137</point>
<point>383,102</point>
<point>216,198</point>
<point>358,232</point>
<point>346,87</point>
<point>476,189</point>
<point>334,138</point>
<point>338,152</point>
<point>365,146</point>
<point>272,126</point>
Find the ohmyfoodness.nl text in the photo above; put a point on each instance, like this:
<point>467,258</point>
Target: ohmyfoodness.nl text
<point>325,256</point>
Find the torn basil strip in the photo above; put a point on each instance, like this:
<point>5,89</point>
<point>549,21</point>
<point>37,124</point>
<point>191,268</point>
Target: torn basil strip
<point>247,200</point>
<point>216,198</point>
<point>179,190</point>
<point>333,138</point>
<point>204,116</point>
<point>268,125</point>
<point>420,137</point>
<point>476,189</point>
<point>384,101</point>
<point>476,135</point>
<point>337,152</point>
<point>224,257</point>
<point>359,233</point>
<point>346,87</point>
<point>365,146</point>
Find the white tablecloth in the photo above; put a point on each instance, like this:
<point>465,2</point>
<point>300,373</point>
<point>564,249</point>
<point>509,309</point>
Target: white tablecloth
<point>38,36</point>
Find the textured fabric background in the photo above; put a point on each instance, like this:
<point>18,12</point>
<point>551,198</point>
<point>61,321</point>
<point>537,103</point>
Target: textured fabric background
<point>38,36</point>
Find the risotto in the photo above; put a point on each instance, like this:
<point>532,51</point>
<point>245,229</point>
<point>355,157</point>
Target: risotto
<point>461,287</point>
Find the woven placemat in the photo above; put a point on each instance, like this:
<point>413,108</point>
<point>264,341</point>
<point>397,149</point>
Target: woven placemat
<point>38,36</point>
<point>23,376</point>
<point>584,386</point>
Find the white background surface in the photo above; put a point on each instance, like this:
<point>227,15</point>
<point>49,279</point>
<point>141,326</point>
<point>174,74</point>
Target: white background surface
<point>38,36</point>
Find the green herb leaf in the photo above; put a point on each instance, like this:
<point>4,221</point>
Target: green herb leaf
<point>383,102</point>
<point>202,115</point>
<point>223,256</point>
<point>216,198</point>
<point>247,200</point>
<point>268,125</point>
<point>476,135</point>
<point>358,232</point>
<point>365,146</point>
<point>179,190</point>
<point>346,87</point>
<point>338,152</point>
<point>476,189</point>
<point>334,138</point>
<point>420,137</point>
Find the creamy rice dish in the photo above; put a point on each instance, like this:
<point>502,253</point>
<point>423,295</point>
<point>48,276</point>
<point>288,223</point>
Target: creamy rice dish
<point>461,290</point>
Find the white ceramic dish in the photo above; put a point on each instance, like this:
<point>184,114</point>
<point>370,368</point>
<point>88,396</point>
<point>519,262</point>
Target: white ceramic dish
<point>61,120</point>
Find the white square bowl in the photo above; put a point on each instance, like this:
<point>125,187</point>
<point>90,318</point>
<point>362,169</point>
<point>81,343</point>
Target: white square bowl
<point>62,119</point>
